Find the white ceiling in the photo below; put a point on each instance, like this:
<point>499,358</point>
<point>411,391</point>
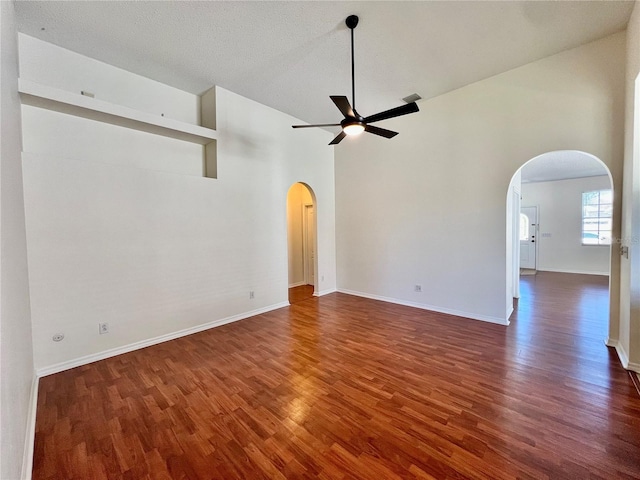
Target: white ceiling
<point>293,55</point>
<point>562,165</point>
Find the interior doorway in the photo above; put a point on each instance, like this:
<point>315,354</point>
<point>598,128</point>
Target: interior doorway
<point>302,242</point>
<point>560,222</point>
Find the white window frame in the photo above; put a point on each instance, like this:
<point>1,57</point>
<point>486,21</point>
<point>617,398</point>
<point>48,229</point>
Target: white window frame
<point>603,235</point>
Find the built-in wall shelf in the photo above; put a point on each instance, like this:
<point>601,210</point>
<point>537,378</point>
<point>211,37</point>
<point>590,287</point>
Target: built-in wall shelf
<point>51,98</point>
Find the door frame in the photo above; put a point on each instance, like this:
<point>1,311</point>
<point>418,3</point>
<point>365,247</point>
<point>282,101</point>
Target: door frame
<point>516,198</point>
<point>307,241</point>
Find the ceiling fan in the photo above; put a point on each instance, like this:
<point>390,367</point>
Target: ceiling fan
<point>354,123</point>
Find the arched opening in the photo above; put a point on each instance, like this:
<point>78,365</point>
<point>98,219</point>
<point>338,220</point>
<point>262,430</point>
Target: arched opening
<point>302,242</point>
<point>560,229</point>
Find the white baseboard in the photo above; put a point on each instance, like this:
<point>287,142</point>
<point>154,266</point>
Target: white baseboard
<point>27,458</point>
<point>324,292</point>
<point>622,355</point>
<point>610,342</point>
<point>77,362</point>
<point>457,313</point>
<point>579,272</point>
<point>297,284</point>
<point>510,311</point>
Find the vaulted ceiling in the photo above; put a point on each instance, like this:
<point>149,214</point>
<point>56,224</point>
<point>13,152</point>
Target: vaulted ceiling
<point>293,55</point>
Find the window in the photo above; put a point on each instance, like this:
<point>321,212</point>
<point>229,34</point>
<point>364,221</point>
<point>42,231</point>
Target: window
<point>597,208</point>
<point>524,227</point>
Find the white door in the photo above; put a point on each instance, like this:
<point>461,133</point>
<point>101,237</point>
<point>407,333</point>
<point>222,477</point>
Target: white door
<point>309,245</point>
<point>516,243</point>
<point>528,236</point>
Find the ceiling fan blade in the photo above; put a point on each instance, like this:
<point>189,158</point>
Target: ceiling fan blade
<point>394,112</point>
<point>338,139</point>
<point>319,125</point>
<point>343,105</point>
<point>383,132</point>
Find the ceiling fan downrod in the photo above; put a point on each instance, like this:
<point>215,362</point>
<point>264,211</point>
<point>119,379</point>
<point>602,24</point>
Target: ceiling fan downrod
<point>352,23</point>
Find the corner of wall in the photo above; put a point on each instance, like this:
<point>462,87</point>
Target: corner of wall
<point>17,408</point>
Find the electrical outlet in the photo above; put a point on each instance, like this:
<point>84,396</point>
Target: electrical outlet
<point>417,288</point>
<point>103,328</point>
<point>322,278</point>
<point>58,337</point>
<point>251,294</point>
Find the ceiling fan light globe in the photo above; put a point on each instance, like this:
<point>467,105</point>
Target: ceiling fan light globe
<point>353,129</point>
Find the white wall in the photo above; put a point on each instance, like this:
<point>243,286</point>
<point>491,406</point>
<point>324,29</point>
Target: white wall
<point>298,197</point>
<point>72,137</point>
<point>435,194</point>
<point>560,216</point>
<point>627,338</point>
<point>41,62</point>
<point>16,352</point>
<point>111,239</point>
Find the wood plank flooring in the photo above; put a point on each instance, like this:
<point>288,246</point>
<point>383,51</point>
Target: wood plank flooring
<point>300,294</point>
<point>341,387</point>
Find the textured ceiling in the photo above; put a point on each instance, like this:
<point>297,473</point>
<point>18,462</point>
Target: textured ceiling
<point>561,166</point>
<point>293,55</point>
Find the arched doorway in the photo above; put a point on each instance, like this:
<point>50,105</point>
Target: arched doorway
<point>567,199</point>
<point>302,242</point>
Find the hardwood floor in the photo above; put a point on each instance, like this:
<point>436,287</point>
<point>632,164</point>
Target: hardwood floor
<point>341,387</point>
<point>300,294</point>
